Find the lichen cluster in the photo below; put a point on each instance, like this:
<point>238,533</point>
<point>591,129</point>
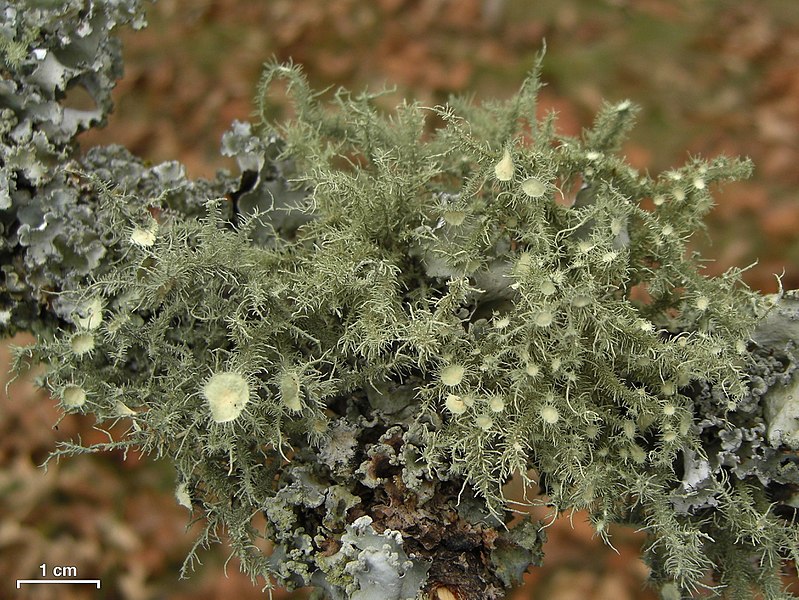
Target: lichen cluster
<point>385,317</point>
<point>60,62</point>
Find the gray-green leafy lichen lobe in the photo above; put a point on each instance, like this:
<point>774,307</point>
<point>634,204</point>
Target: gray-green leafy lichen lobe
<point>56,233</point>
<point>758,438</point>
<point>375,565</point>
<point>381,323</point>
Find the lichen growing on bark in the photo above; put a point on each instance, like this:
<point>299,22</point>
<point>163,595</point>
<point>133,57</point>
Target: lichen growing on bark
<point>378,322</point>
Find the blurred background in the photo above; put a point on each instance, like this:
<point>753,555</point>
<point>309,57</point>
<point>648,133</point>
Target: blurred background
<point>711,77</point>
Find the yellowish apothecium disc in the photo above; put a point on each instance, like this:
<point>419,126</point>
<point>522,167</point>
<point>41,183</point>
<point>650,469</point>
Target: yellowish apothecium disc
<point>227,394</point>
<point>290,391</point>
<point>182,495</point>
<point>534,187</point>
<point>92,315</point>
<point>73,396</point>
<point>82,343</point>
<point>549,414</point>
<point>504,168</point>
<point>144,236</point>
<point>455,404</point>
<point>452,375</point>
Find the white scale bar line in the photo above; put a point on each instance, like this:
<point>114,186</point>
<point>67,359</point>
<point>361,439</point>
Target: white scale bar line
<point>94,581</point>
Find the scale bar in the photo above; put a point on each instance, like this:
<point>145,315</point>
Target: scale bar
<point>94,581</point>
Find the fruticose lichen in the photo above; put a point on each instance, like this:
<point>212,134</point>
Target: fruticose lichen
<point>367,332</point>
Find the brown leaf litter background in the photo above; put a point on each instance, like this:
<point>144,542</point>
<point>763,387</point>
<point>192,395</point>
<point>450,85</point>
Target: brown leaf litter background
<point>712,77</point>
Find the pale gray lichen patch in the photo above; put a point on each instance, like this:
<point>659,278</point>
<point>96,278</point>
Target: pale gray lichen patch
<point>758,438</point>
<point>781,412</point>
<point>337,450</point>
<point>515,550</point>
<point>780,325</point>
<point>379,564</point>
